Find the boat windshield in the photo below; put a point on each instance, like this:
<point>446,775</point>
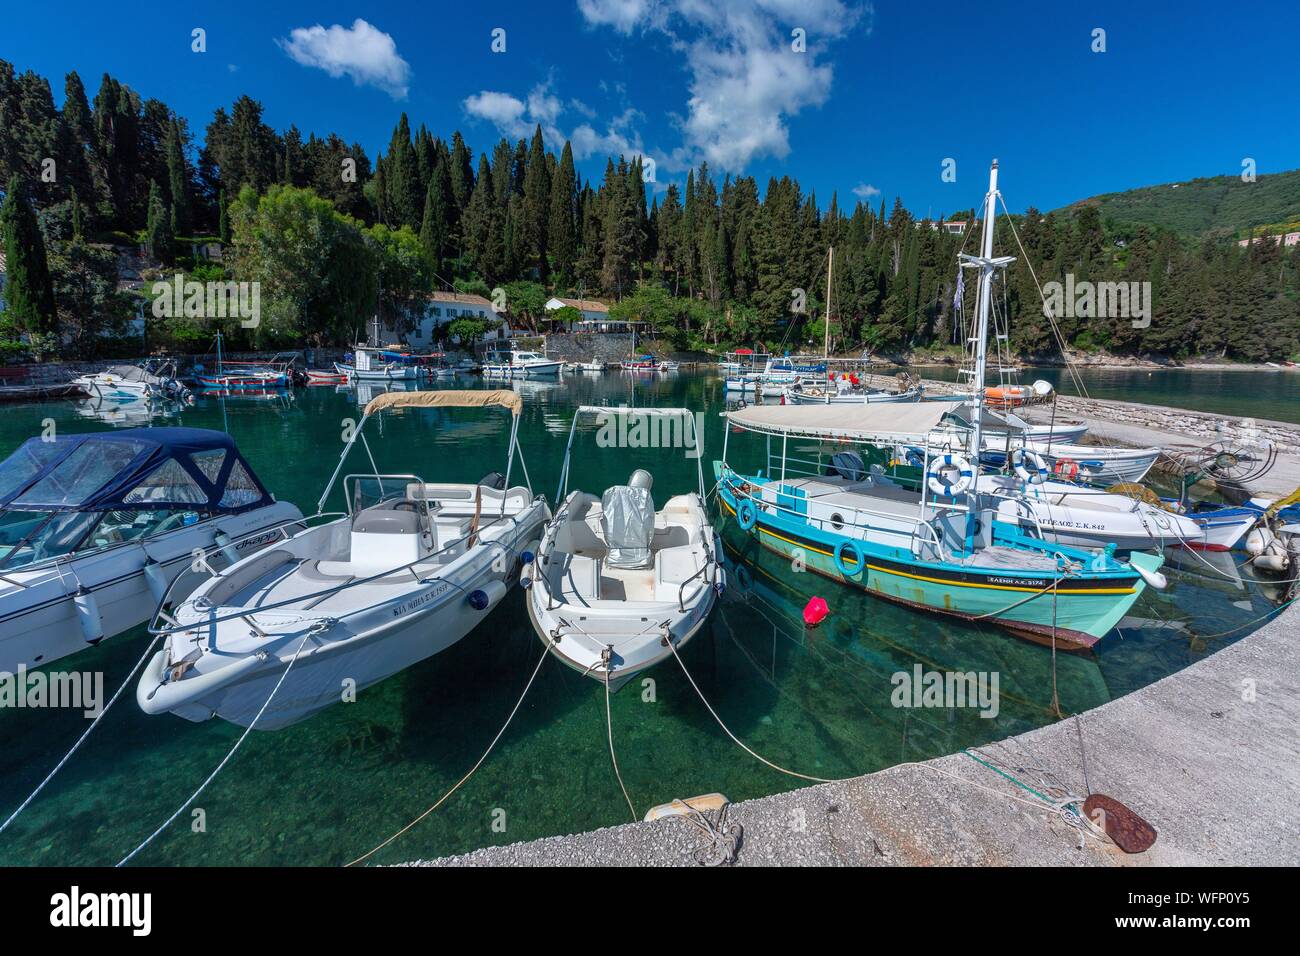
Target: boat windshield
<point>24,464</point>
<point>31,537</point>
<point>87,469</point>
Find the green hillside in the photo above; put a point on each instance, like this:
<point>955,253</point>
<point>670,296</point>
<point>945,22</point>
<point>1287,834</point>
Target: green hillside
<point>1217,205</point>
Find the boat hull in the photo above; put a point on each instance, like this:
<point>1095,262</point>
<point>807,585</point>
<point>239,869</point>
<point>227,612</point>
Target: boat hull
<point>344,653</point>
<point>42,623</point>
<point>1076,617</point>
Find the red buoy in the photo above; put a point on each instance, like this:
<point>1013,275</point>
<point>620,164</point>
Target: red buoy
<point>815,612</point>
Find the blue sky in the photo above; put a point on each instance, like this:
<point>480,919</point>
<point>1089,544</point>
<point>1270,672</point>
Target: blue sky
<point>882,94</point>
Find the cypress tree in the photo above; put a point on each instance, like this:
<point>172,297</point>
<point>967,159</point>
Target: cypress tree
<point>158,233</point>
<point>29,292</point>
<point>562,240</point>
<point>178,179</point>
<point>223,222</point>
<point>536,207</point>
<point>435,230</point>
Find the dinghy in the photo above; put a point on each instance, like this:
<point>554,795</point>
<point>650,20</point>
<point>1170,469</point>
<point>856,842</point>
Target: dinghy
<point>407,572</point>
<point>617,580</point>
<point>94,528</point>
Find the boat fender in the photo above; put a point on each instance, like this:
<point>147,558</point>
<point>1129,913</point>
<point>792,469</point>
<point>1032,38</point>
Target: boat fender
<point>222,541</point>
<point>92,622</point>
<point>481,599</point>
<point>1271,561</point>
<point>858,561</point>
<point>1153,578</point>
<point>1258,540</point>
<point>1029,466</point>
<point>940,480</point>
<point>1067,468</point>
<point>155,576</point>
<point>528,564</point>
<point>746,514</point>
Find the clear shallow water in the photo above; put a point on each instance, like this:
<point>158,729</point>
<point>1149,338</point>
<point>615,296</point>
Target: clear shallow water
<point>1272,394</point>
<point>327,790</point>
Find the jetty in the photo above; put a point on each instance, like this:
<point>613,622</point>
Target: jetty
<point>1208,756</point>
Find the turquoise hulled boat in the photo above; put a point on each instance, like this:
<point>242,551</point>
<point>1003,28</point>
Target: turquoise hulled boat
<point>941,547</point>
<point>1040,591</point>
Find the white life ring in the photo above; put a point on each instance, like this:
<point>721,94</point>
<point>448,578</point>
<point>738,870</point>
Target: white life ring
<point>939,477</point>
<point>1029,466</point>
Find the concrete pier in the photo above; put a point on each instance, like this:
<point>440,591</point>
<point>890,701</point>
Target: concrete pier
<point>1208,756</point>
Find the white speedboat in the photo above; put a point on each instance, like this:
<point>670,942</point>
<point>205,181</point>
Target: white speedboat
<point>153,380</point>
<point>408,572</point>
<point>592,366</point>
<point>95,528</point>
<point>517,364</point>
<point>616,580</point>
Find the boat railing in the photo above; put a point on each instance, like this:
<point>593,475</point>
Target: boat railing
<point>199,556</point>
<point>777,506</point>
<point>245,614</point>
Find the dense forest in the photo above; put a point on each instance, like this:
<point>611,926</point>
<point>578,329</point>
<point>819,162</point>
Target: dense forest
<point>713,262</point>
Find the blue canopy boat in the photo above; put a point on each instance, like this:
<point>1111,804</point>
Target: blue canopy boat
<point>94,528</point>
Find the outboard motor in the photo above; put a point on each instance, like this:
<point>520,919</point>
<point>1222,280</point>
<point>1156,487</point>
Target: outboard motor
<point>641,479</point>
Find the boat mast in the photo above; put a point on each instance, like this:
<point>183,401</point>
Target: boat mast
<point>218,352</point>
<point>987,267</point>
<point>830,267</point>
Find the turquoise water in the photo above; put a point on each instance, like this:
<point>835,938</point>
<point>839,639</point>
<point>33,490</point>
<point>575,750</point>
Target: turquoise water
<point>327,790</point>
<point>1272,394</point>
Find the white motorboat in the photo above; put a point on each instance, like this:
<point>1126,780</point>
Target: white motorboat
<point>592,366</point>
<point>151,380</point>
<point>94,528</point>
<point>517,364</point>
<point>407,572</point>
<point>616,580</point>
<point>1100,464</point>
<point>668,365</point>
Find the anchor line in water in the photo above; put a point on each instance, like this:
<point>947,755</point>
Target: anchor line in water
<point>609,730</point>
<point>472,770</point>
<point>224,760</point>
<point>82,739</point>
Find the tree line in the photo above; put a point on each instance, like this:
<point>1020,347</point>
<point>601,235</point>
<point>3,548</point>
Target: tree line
<point>712,263</point>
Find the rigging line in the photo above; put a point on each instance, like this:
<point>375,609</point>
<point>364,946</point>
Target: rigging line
<point>472,770</point>
<point>82,739</point>
<point>1047,312</point>
<point>226,759</point>
<point>735,739</point>
<point>609,730</point>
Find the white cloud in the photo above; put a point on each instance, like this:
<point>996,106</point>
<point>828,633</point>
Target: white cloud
<point>518,119</point>
<point>865,191</point>
<point>361,51</point>
<point>746,80</point>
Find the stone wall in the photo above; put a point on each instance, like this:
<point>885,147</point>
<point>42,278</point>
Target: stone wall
<point>608,347</point>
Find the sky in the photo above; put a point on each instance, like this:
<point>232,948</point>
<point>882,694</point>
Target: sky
<point>863,100</point>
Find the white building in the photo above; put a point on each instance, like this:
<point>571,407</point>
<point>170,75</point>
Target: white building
<point>446,307</point>
<point>595,314</point>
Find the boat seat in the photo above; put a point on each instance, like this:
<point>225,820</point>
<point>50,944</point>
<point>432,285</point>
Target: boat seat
<point>627,522</point>
<point>576,578</point>
<point>672,567</point>
<point>386,521</point>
